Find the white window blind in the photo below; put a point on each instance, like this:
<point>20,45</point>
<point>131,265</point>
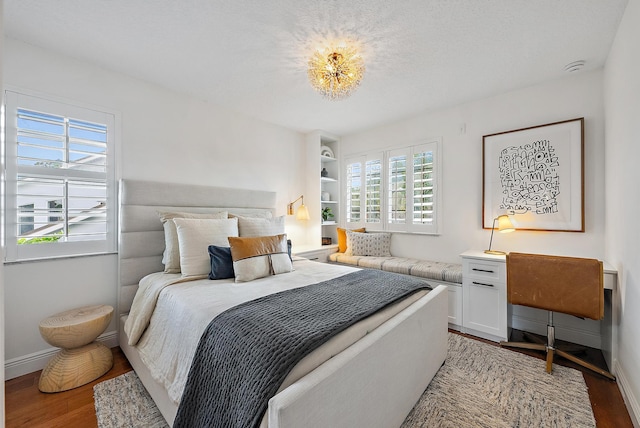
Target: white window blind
<point>423,186</point>
<point>397,188</point>
<point>372,191</point>
<point>61,189</point>
<point>353,191</point>
<point>400,191</point>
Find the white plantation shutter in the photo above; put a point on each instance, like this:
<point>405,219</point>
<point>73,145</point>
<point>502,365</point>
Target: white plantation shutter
<point>61,189</point>
<point>353,192</point>
<point>373,192</point>
<point>424,188</point>
<point>396,190</point>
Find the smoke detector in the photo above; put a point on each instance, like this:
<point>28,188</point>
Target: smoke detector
<point>574,66</point>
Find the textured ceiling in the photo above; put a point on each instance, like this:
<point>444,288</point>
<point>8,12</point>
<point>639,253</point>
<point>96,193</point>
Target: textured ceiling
<point>250,55</point>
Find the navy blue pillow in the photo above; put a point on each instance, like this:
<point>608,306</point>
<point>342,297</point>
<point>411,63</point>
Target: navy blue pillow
<point>289,248</point>
<point>221,263</point>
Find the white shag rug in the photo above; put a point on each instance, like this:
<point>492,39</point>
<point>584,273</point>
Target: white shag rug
<point>479,385</point>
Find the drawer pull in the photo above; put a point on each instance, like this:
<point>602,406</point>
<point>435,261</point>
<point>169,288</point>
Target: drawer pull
<point>482,270</point>
<point>482,283</point>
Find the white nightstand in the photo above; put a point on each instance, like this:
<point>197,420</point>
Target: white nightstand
<point>484,291</point>
<point>318,254</point>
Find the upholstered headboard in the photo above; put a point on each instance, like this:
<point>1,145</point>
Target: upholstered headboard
<point>141,240</point>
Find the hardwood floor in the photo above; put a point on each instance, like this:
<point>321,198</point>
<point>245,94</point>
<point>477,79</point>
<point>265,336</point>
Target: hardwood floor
<point>26,406</point>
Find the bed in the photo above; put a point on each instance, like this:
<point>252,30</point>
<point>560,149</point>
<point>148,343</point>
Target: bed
<point>369,375</point>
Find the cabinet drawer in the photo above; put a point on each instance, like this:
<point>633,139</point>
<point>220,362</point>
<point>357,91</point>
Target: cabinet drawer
<point>316,255</point>
<point>485,271</point>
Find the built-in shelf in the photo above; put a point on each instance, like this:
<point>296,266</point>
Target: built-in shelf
<point>320,144</point>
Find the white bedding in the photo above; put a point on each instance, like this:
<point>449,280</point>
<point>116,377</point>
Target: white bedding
<point>178,312</point>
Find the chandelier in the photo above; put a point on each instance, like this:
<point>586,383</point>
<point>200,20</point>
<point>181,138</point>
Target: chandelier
<point>337,73</point>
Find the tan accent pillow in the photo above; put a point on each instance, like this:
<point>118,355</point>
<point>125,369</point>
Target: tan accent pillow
<point>257,257</point>
<point>342,238</point>
<point>171,255</point>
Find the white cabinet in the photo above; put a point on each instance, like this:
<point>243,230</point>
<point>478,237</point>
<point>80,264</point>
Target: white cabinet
<point>320,254</point>
<point>484,289</point>
<point>455,306</point>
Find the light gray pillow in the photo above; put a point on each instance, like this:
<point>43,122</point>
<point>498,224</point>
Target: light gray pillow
<point>171,255</point>
<point>377,244</point>
<point>252,226</point>
<point>194,238</point>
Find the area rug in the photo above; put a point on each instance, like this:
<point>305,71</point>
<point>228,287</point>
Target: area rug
<point>479,385</point>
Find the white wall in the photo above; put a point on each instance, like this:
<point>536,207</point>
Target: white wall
<point>622,152</point>
<point>567,98</point>
<point>164,136</point>
<point>1,240</point>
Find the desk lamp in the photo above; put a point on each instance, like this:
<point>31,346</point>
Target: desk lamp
<point>504,226</point>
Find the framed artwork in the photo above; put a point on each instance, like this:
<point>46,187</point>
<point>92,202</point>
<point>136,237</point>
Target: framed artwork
<point>536,176</point>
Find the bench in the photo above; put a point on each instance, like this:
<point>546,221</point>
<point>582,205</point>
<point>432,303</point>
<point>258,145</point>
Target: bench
<point>449,274</point>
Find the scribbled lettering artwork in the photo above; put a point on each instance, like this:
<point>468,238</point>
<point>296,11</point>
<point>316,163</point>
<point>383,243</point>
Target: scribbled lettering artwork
<point>536,175</point>
<point>529,177</point>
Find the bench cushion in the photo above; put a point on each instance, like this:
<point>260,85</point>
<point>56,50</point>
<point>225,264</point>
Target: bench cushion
<point>449,272</point>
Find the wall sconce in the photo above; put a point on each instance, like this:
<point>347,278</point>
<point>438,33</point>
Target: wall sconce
<point>303,212</point>
<point>504,226</point>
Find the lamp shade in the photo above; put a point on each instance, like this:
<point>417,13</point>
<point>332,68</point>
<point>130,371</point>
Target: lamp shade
<point>303,213</point>
<point>504,224</point>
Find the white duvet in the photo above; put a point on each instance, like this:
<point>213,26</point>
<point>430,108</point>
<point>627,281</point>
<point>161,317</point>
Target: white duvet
<point>169,314</point>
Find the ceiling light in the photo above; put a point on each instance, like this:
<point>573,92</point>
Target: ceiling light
<point>336,72</point>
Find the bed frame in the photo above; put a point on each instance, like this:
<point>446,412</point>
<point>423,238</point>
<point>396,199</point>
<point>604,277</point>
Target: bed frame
<point>373,383</point>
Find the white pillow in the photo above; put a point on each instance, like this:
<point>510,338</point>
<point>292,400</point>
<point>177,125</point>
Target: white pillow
<point>257,214</point>
<point>171,255</point>
<point>260,256</point>
<point>252,226</point>
<point>194,238</point>
<point>368,244</point>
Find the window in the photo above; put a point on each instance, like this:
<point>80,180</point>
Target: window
<point>60,179</point>
<point>400,197</point>
<point>397,189</point>
<point>25,218</point>
<point>55,211</point>
<point>354,188</point>
<point>372,189</point>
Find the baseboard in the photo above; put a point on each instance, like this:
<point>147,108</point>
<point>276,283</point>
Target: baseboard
<point>33,362</point>
<point>581,337</point>
<point>627,394</point>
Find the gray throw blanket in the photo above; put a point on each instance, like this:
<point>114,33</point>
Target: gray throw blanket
<point>247,351</point>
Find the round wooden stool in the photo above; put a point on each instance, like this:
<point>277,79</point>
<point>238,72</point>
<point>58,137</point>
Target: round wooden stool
<point>80,360</point>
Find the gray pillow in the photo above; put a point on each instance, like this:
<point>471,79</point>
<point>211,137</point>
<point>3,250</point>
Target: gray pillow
<point>377,244</point>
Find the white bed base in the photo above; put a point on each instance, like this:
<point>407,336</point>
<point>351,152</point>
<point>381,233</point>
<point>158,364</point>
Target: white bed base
<point>373,383</point>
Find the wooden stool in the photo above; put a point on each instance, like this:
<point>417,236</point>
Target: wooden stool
<point>80,360</point>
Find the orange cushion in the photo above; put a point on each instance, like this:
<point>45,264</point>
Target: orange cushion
<point>342,238</point>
